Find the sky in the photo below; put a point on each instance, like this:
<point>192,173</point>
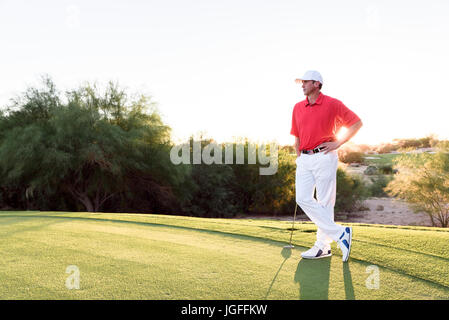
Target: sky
<point>226,69</point>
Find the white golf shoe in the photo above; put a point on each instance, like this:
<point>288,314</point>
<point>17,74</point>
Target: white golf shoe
<point>317,253</point>
<point>345,242</point>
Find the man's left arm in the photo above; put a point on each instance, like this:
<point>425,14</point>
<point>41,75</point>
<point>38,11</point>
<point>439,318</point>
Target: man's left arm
<point>352,130</point>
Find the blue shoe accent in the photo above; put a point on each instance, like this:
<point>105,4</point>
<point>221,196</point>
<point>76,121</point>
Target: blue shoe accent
<point>345,243</point>
<point>319,253</point>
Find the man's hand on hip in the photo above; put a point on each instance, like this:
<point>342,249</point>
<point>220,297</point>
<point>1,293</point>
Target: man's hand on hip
<point>329,146</point>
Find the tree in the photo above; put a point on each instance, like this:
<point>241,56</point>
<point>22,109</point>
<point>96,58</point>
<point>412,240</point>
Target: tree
<point>423,181</point>
<point>96,146</point>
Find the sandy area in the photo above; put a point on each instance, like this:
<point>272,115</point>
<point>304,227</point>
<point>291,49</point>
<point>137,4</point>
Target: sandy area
<point>387,211</point>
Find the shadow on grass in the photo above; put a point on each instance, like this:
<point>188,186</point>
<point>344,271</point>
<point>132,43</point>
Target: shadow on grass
<point>347,278</point>
<point>286,253</point>
<point>313,278</point>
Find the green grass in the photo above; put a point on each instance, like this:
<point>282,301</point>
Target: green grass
<point>384,159</point>
<point>132,256</point>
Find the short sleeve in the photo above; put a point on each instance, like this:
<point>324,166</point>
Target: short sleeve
<point>294,129</point>
<point>345,116</point>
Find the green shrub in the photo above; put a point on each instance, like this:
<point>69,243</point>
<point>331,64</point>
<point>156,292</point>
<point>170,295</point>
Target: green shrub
<point>371,170</point>
<point>378,185</point>
<point>266,194</point>
<point>386,169</point>
<point>351,191</point>
<point>213,195</point>
<point>226,190</point>
<point>423,181</point>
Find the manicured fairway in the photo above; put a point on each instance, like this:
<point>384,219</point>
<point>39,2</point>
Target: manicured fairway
<point>131,256</point>
<point>382,159</point>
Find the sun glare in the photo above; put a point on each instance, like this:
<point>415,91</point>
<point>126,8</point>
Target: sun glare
<point>341,132</point>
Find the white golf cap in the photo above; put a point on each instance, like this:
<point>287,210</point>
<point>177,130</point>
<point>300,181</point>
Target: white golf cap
<point>311,75</point>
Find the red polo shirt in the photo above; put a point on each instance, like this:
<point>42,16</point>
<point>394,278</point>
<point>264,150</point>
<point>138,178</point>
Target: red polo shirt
<point>316,123</point>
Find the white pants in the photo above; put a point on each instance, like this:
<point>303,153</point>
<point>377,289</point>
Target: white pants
<point>319,171</point>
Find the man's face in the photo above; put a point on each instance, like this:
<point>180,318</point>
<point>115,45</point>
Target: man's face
<point>309,86</point>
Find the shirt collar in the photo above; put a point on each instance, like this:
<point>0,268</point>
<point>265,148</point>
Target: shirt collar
<point>319,100</point>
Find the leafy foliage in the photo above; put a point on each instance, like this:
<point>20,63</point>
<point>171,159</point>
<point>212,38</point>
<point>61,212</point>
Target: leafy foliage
<point>378,185</point>
<point>423,181</point>
<point>351,191</point>
<point>96,146</point>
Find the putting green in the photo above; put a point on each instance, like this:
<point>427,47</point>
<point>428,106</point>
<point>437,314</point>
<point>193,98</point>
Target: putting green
<point>132,256</point>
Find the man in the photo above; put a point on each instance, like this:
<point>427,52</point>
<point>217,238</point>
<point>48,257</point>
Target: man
<point>315,123</point>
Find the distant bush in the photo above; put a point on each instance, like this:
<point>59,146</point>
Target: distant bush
<point>386,148</point>
<point>371,170</point>
<point>351,191</point>
<point>378,185</point>
<point>266,194</point>
<point>364,148</point>
<point>426,142</point>
<point>412,143</point>
<point>222,190</point>
<point>385,169</point>
<point>407,144</point>
<point>213,194</point>
<point>443,145</point>
<point>350,156</point>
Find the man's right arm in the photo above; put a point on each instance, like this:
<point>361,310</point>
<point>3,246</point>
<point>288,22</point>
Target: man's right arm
<point>297,147</point>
